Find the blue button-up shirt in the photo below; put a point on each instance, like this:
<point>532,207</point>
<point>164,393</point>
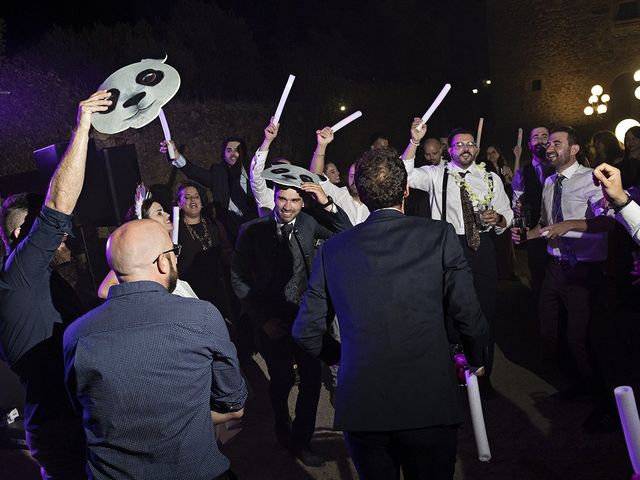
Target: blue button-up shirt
<point>146,368</point>
<point>35,305</point>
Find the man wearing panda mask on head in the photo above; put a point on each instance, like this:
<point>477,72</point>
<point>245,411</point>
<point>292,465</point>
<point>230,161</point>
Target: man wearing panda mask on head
<point>269,272</point>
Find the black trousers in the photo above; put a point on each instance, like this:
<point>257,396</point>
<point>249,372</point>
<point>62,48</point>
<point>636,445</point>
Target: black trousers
<point>280,354</point>
<point>424,453</point>
<point>537,260</point>
<point>576,288</point>
<point>485,279</point>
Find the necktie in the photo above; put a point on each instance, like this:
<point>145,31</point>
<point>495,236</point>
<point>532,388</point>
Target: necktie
<point>471,231</point>
<point>556,207</point>
<point>286,230</point>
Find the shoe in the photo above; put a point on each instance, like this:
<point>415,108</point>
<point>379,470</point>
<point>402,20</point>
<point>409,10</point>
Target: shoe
<point>308,457</point>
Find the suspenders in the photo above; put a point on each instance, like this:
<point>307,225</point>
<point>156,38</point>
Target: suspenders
<point>445,180</point>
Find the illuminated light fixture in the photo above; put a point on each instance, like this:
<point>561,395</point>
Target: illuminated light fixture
<point>597,101</point>
<point>488,82</point>
<point>342,108</point>
<point>623,126</point>
<point>636,76</point>
<point>637,93</point>
<point>474,91</point>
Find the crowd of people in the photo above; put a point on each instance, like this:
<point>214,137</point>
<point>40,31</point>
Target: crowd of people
<point>381,277</point>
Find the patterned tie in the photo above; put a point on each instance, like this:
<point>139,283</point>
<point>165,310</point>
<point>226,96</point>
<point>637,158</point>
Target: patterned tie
<point>286,230</point>
<point>471,231</point>
<point>556,207</point>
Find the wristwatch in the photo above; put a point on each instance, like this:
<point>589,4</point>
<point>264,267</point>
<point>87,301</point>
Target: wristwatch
<point>329,202</point>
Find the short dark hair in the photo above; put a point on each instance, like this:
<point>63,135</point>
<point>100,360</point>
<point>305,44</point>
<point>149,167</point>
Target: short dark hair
<point>573,137</point>
<point>459,131</point>
<point>12,208</point>
<point>380,179</point>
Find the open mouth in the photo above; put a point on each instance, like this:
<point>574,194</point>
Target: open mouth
<point>140,110</point>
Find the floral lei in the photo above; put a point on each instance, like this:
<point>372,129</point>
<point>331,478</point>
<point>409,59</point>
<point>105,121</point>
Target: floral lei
<point>475,200</point>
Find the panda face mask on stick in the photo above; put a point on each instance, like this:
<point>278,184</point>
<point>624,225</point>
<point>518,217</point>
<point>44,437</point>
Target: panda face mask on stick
<point>138,91</point>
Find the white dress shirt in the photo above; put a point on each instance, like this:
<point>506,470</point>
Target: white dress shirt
<point>262,194</point>
<point>356,211</point>
<point>581,199</point>
<point>629,216</point>
<point>429,178</point>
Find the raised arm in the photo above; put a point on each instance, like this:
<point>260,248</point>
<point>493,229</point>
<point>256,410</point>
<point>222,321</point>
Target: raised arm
<point>417,133</point>
<point>191,170</point>
<point>67,180</point>
<point>263,198</point>
<point>324,137</point>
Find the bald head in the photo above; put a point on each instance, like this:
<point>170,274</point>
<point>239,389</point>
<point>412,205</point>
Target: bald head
<point>133,248</point>
<point>432,151</point>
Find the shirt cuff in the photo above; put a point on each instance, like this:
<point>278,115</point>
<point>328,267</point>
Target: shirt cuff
<point>57,220</point>
<point>179,162</point>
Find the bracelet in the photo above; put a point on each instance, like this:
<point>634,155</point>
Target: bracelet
<point>329,202</point>
<point>316,154</point>
<point>619,206</point>
<point>412,142</point>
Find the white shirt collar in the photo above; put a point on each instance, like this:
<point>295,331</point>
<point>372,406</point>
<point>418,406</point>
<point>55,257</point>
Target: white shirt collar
<point>568,173</point>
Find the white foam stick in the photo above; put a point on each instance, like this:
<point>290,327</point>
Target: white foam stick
<point>479,134</point>
<point>477,418</point>
<point>167,135</point>
<point>436,103</point>
<point>519,143</point>
<point>630,423</point>
<point>176,224</point>
<point>283,99</point>
<point>572,234</point>
<point>346,121</point>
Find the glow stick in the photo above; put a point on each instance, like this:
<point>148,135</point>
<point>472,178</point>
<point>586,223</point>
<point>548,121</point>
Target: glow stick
<point>346,121</point>
<point>283,99</point>
<point>175,219</point>
<point>479,134</point>
<point>436,103</point>
<point>167,135</point>
<point>630,423</point>
<point>572,234</point>
<point>519,143</point>
<point>477,419</point>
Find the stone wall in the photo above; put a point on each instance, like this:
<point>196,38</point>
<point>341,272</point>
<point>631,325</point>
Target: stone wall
<point>569,46</point>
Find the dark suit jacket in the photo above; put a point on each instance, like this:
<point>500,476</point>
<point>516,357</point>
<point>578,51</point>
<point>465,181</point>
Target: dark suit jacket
<point>218,179</point>
<point>256,274</point>
<point>390,281</point>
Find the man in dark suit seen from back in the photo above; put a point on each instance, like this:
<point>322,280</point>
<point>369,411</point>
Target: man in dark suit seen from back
<point>390,280</point>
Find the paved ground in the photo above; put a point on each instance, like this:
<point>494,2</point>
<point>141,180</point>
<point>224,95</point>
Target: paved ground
<point>531,435</point>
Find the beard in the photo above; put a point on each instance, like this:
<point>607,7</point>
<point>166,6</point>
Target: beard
<point>539,150</point>
<point>173,278</point>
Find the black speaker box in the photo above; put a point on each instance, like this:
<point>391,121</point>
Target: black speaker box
<point>110,181</point>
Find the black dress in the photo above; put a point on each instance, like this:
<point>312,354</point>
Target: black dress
<point>200,262</point>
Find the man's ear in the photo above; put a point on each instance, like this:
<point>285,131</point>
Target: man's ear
<point>575,149</point>
<point>163,264</point>
<point>16,233</point>
<point>405,195</point>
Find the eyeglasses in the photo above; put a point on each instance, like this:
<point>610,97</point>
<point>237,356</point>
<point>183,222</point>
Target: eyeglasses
<point>460,145</point>
<point>176,249</point>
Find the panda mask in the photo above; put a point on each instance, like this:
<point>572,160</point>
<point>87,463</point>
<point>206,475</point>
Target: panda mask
<point>138,91</point>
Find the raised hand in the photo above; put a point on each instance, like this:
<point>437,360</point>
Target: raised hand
<point>316,192</point>
<point>98,102</point>
<point>324,136</point>
<point>611,181</point>
<point>164,149</point>
<point>271,132</point>
<point>418,129</point>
